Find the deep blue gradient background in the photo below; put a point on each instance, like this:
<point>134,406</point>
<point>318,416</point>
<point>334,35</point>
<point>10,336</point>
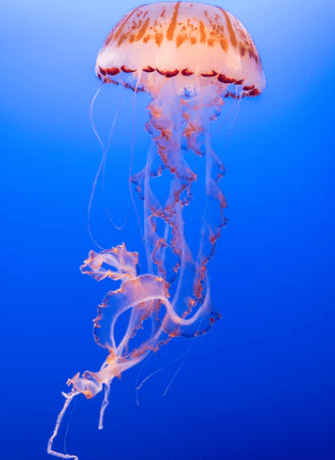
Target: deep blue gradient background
<point>261,384</point>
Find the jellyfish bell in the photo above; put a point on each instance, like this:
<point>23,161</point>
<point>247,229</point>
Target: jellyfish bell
<point>188,57</point>
<point>198,44</point>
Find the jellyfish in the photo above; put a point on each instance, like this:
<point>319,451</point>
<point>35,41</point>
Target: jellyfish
<point>188,57</point>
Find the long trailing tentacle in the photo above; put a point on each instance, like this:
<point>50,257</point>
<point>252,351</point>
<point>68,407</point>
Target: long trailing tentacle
<point>68,399</point>
<point>102,167</point>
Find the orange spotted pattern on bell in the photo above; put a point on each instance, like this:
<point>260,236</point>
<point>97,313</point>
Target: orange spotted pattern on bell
<point>181,39</point>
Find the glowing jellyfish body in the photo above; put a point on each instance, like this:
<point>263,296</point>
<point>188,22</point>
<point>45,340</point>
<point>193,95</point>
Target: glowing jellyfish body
<point>187,57</point>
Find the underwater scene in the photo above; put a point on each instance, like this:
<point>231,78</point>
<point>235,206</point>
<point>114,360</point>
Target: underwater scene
<point>180,154</point>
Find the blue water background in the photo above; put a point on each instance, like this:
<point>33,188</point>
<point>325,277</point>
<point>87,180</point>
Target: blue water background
<point>261,384</point>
